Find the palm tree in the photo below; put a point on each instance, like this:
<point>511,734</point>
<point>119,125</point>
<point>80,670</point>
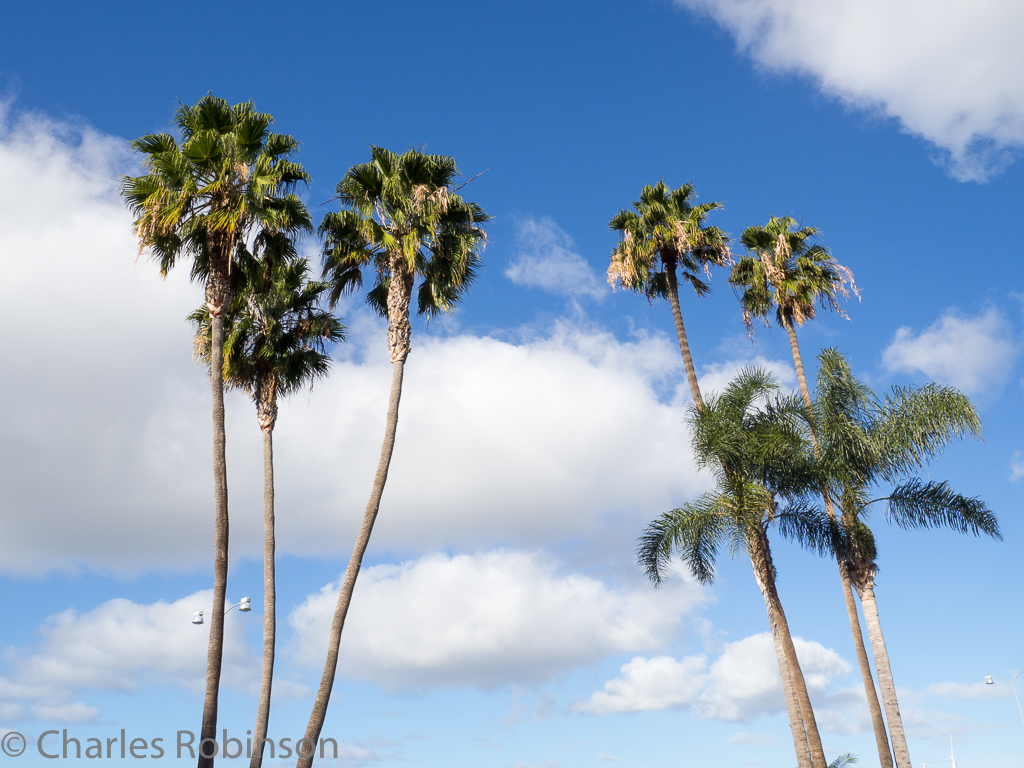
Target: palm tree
<point>865,442</point>
<point>276,339</point>
<point>763,471</point>
<point>401,220</point>
<point>783,270</point>
<point>665,232</point>
<point>202,199</point>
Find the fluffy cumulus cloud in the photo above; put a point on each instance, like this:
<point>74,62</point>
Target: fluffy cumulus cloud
<point>499,617</point>
<point>546,258</point>
<point>974,354</point>
<point>739,685</point>
<point>115,647</point>
<point>105,460</point>
<point>944,70</point>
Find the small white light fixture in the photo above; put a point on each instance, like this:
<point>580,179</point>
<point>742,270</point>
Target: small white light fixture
<point>989,680</point>
<point>198,618</point>
<point>244,606</point>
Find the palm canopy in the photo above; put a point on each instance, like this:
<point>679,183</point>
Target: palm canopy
<point>784,270</point>
<point>754,441</point>
<point>203,197</point>
<point>276,333</point>
<point>866,442</point>
<point>665,231</point>
<point>402,218</point>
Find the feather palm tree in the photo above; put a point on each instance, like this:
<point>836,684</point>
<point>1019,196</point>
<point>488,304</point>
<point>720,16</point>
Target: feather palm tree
<point>202,198</point>
<point>276,344</point>
<point>866,442</point>
<point>754,442</point>
<point>401,221</point>
<point>663,234</point>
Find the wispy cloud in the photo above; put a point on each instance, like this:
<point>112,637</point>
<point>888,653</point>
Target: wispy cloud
<point>894,56</point>
<point>974,354</point>
<point>546,258</point>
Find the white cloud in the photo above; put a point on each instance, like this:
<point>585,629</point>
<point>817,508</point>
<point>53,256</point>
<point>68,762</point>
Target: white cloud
<point>974,354</point>
<point>947,72</point>
<point>487,619</point>
<point>753,739</point>
<point>1016,467</point>
<point>105,460</point>
<point>115,647</point>
<point>968,691</point>
<point>741,684</point>
<point>649,684</point>
<point>546,258</point>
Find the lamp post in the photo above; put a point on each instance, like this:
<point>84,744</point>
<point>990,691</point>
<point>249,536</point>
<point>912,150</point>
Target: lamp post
<point>242,606</point>
<point>989,680</point>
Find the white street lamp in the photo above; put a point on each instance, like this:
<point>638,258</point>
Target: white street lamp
<point>1013,684</point>
<point>242,606</point>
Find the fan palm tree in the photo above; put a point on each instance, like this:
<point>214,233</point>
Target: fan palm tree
<point>759,457</point>
<point>401,220</point>
<point>783,270</point>
<point>665,232</point>
<point>866,442</point>
<point>276,340</point>
<point>202,199</point>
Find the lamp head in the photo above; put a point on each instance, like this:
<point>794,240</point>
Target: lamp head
<point>244,606</point>
<point>989,680</point>
<point>198,618</point>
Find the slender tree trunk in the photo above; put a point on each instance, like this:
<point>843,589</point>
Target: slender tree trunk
<point>269,600</point>
<point>799,363</point>
<point>764,573</point>
<point>877,723</point>
<point>684,345</point>
<point>803,750</point>
<point>885,681</point>
<point>399,338</point>
<point>215,650</point>
<point>316,720</point>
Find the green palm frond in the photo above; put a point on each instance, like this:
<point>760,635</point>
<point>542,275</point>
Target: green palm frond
<point>399,209</point>
<point>920,504</point>
<point>207,194</point>
<point>665,231</point>
<point>865,442</point>
<point>784,271</point>
<point>755,441</point>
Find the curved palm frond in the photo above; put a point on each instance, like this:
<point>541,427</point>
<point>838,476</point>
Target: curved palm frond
<point>919,504</point>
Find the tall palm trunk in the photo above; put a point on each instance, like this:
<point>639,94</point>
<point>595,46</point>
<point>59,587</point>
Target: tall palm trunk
<point>684,345</point>
<point>215,649</point>
<point>399,333</point>
<point>866,592</point>
<point>803,752</point>
<point>877,722</point>
<point>269,599</point>
<point>764,573</point>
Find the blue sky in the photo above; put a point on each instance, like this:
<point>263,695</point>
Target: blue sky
<point>501,619</point>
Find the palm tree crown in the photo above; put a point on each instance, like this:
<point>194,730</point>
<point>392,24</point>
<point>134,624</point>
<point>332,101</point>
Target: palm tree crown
<point>276,334</point>
<point>784,270</point>
<point>403,220</point>
<point>754,442</point>
<point>202,197</point>
<point>666,231</point>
